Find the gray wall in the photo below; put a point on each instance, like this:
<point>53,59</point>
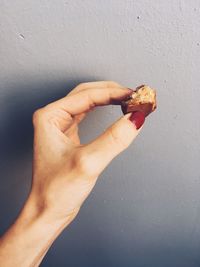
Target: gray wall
<point>145,208</point>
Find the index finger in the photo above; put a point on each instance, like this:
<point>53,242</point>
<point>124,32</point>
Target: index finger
<point>97,84</point>
<point>87,99</point>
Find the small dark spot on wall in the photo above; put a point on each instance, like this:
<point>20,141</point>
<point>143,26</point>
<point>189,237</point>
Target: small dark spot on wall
<point>198,44</point>
<point>175,117</point>
<point>21,36</point>
<point>138,17</point>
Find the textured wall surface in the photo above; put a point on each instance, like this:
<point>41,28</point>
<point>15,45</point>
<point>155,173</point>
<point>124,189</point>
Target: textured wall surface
<point>145,208</point>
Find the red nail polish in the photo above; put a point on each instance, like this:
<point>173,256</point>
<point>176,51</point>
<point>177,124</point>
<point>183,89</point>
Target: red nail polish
<point>137,118</point>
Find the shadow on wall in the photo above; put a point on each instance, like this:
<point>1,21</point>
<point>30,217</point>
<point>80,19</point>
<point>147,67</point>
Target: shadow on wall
<point>17,106</point>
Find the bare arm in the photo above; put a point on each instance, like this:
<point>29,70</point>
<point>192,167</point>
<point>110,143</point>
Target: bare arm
<point>28,239</point>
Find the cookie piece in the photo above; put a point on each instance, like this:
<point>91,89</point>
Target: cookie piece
<point>142,99</point>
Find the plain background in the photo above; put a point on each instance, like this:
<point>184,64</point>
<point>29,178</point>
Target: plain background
<point>145,208</point>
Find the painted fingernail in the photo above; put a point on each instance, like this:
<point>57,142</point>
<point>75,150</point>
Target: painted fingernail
<point>137,118</point>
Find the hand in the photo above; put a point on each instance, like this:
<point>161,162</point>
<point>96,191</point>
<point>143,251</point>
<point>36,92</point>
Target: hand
<point>65,171</point>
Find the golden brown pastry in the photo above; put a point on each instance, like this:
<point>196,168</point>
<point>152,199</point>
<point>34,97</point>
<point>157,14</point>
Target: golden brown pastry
<point>142,99</point>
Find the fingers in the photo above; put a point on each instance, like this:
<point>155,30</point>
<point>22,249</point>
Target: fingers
<point>113,141</point>
<point>90,85</point>
<point>86,99</point>
<point>72,108</point>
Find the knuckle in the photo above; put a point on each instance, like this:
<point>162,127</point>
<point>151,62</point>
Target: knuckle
<point>112,84</point>
<point>81,85</point>
<point>38,116</point>
<point>84,164</point>
<point>78,88</point>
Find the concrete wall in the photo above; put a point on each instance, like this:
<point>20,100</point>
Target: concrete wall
<point>145,209</point>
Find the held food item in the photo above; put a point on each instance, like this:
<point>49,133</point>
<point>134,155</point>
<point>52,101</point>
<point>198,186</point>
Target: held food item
<point>142,99</point>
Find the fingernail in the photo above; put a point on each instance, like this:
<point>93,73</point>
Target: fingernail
<point>137,118</point>
<point>130,90</point>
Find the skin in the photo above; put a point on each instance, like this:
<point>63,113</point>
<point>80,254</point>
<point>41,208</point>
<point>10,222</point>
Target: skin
<point>64,170</point>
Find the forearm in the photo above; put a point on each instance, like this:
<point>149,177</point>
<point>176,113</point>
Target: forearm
<point>27,241</point>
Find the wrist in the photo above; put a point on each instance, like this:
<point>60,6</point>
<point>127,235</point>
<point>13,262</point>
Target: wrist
<point>33,233</point>
<point>37,212</point>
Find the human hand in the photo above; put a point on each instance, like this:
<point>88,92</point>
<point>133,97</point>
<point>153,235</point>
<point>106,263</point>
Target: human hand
<point>65,171</point>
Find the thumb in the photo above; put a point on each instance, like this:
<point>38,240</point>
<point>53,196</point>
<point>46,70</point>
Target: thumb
<point>114,140</point>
